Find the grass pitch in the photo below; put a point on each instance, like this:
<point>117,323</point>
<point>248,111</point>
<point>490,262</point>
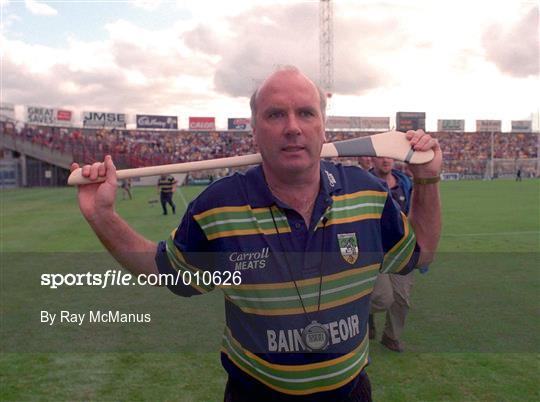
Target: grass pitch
<point>472,335</point>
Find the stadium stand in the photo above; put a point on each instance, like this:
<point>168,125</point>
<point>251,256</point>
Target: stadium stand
<point>466,155</point>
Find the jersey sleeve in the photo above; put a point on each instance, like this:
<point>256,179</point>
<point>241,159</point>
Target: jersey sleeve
<point>399,242</point>
<point>184,256</point>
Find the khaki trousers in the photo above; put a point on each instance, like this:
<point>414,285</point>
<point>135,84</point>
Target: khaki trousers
<point>392,293</point>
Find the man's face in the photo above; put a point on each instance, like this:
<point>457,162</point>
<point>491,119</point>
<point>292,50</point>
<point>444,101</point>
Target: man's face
<point>382,165</point>
<point>365,162</point>
<point>289,127</point>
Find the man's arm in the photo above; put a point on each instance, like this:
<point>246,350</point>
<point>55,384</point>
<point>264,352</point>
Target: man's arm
<point>129,248</point>
<point>96,202</point>
<point>425,218</point>
<point>425,212</point>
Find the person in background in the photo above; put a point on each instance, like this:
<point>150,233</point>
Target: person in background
<point>166,187</point>
<point>126,188</point>
<point>365,162</point>
<point>391,293</point>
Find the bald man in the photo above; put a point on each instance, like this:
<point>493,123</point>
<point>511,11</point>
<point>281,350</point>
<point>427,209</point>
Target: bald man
<point>308,238</point>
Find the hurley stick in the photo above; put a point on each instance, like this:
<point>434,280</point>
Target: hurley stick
<point>392,144</point>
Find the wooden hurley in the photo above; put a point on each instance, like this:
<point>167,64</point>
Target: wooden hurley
<point>392,144</point>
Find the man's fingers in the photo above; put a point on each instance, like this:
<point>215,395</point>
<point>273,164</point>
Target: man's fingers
<point>422,143</point>
<point>97,169</point>
<point>86,171</point>
<point>94,170</point>
<point>427,142</point>
<point>411,133</point>
<point>414,136</point>
<point>432,144</point>
<point>101,170</point>
<point>111,169</point>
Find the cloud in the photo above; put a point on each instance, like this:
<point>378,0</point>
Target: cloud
<point>515,49</point>
<point>154,53</point>
<point>89,90</point>
<point>249,45</point>
<point>193,63</point>
<point>265,37</point>
<point>209,65</point>
<point>132,70</point>
<point>205,39</point>
<point>38,8</point>
<point>8,21</point>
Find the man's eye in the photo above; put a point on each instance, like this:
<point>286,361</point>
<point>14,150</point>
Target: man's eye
<point>275,115</point>
<point>306,113</point>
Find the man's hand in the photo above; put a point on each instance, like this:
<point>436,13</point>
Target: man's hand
<point>420,141</point>
<point>97,200</point>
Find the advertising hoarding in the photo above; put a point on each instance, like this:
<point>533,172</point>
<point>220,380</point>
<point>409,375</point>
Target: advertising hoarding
<point>521,126</point>
<point>104,120</point>
<point>157,122</point>
<point>410,121</point>
<point>238,123</point>
<point>451,125</point>
<point>202,123</point>
<point>488,126</point>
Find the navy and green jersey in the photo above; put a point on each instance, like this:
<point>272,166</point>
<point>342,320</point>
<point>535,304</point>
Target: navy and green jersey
<point>237,225</point>
<point>166,185</point>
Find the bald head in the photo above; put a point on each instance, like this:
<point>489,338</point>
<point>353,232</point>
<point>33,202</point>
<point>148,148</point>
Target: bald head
<point>276,76</point>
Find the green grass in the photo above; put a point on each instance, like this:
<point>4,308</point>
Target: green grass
<point>472,335</point>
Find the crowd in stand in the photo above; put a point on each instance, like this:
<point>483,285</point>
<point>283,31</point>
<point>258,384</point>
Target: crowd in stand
<point>464,153</point>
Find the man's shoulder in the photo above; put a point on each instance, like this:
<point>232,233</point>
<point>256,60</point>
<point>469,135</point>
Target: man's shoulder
<point>353,178</point>
<point>402,178</point>
<point>222,184</point>
<point>401,174</point>
<point>228,191</point>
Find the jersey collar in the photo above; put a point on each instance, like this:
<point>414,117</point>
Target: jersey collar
<point>260,195</point>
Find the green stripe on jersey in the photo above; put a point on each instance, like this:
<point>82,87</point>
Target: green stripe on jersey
<point>336,289</point>
<point>179,263</point>
<point>298,380</point>
<point>398,257</point>
<point>237,221</point>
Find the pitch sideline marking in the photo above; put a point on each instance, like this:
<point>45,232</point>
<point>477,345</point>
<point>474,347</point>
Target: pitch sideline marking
<point>490,234</point>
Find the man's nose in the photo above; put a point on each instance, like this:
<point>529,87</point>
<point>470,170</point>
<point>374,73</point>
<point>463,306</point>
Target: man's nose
<point>292,127</point>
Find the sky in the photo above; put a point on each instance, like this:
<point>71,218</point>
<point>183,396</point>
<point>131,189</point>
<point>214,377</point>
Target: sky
<point>470,59</point>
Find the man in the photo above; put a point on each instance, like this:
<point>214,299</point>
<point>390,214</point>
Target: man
<point>308,237</point>
<point>391,293</point>
<point>364,162</point>
<point>166,187</point>
<point>126,188</point>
